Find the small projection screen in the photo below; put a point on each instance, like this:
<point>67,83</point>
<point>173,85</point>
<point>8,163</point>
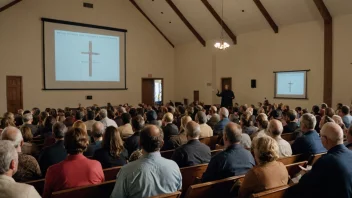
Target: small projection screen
<point>80,56</point>
<point>291,84</point>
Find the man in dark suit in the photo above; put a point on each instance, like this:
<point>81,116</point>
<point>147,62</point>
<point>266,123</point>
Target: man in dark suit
<point>169,128</point>
<point>97,135</point>
<point>226,97</point>
<point>331,175</point>
<point>56,153</point>
<point>309,142</point>
<point>132,142</point>
<point>194,152</point>
<point>291,122</point>
<point>233,161</point>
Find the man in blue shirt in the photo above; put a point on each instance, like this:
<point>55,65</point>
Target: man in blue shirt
<point>233,161</point>
<point>346,116</point>
<point>331,175</point>
<point>219,127</point>
<point>150,175</point>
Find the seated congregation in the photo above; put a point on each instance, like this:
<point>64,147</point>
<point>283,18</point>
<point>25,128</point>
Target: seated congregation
<point>190,151</point>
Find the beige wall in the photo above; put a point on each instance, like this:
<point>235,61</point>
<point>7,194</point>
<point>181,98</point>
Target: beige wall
<point>258,54</point>
<point>21,51</point>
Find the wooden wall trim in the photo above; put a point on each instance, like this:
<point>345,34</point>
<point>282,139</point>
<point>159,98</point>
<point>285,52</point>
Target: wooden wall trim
<point>220,21</point>
<point>185,21</point>
<point>267,16</point>
<point>5,7</point>
<point>151,22</point>
<point>328,52</point>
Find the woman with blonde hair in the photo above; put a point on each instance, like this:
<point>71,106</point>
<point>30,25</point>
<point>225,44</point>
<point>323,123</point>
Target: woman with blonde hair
<point>112,153</point>
<point>80,124</point>
<point>180,139</point>
<point>268,173</point>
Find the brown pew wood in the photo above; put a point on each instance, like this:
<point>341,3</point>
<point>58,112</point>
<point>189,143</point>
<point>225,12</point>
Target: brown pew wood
<point>102,190</point>
<point>289,136</point>
<point>314,158</point>
<point>219,188</point>
<point>210,141</point>
<point>169,195</point>
<point>273,193</point>
<point>167,154</point>
<point>110,173</point>
<point>38,185</point>
<point>214,152</point>
<point>189,175</point>
<point>293,159</point>
<point>294,169</point>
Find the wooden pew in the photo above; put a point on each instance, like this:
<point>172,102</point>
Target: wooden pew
<point>189,175</point>
<point>214,152</point>
<point>289,136</point>
<point>38,185</point>
<point>110,173</point>
<point>293,159</point>
<point>169,195</point>
<point>273,193</point>
<point>102,190</point>
<point>219,188</point>
<point>313,158</point>
<point>210,141</point>
<point>293,169</point>
<point>167,154</point>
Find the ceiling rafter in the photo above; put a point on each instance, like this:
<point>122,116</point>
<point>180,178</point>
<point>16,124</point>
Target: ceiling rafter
<point>328,53</point>
<point>151,22</point>
<point>7,6</point>
<point>185,21</point>
<point>266,15</point>
<point>220,21</point>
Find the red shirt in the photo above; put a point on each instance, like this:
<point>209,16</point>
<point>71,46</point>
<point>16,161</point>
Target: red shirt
<point>74,171</point>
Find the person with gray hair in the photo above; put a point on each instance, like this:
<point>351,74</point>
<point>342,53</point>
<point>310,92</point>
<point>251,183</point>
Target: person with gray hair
<point>55,153</point>
<point>213,117</point>
<point>97,135</point>
<point>28,168</point>
<point>27,122</point>
<point>8,167</point>
<point>331,171</point>
<point>194,152</point>
<point>309,143</point>
<point>105,120</point>
<point>219,127</point>
<point>205,130</point>
<point>276,129</point>
<point>234,160</point>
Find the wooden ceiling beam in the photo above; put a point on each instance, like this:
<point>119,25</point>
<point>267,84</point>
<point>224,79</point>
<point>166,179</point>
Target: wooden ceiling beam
<point>185,21</point>
<point>266,15</point>
<point>7,6</point>
<point>151,22</point>
<point>220,21</point>
<point>328,53</point>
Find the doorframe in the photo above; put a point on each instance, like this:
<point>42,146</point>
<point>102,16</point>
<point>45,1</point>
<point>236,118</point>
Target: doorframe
<point>162,89</point>
<point>222,87</point>
<point>21,92</point>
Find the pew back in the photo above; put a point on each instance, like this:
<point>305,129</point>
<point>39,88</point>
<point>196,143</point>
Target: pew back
<point>38,185</point>
<point>293,159</point>
<point>110,173</point>
<point>167,154</point>
<point>294,169</point>
<point>273,193</point>
<point>169,195</point>
<point>210,141</point>
<point>314,158</point>
<point>189,175</point>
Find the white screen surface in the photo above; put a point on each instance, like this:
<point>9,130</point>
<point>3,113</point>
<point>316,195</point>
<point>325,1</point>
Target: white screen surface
<point>291,84</point>
<point>80,56</point>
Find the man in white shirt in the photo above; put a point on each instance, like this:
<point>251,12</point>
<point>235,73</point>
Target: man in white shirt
<point>105,120</point>
<point>205,130</point>
<point>8,167</point>
<point>276,128</point>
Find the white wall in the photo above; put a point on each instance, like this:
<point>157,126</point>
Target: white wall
<point>256,56</point>
<point>21,51</point>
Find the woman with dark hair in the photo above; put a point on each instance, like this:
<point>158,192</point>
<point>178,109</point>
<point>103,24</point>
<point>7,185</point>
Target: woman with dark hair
<point>316,113</point>
<point>247,124</point>
<point>46,131</point>
<point>76,170</point>
<point>112,152</point>
<point>268,173</point>
<point>27,147</point>
<point>329,112</point>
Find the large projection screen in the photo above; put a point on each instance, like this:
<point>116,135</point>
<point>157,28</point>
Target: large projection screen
<point>291,84</point>
<point>79,56</point>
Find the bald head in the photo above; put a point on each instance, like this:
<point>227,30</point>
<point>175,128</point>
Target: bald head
<point>232,133</point>
<point>98,129</point>
<point>13,134</point>
<point>193,130</point>
<point>275,127</point>
<point>333,133</point>
<point>151,138</point>
<point>224,113</point>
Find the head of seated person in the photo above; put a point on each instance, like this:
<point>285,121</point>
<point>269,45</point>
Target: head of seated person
<point>80,124</point>
<point>151,139</point>
<point>76,141</point>
<point>265,150</point>
<point>26,134</point>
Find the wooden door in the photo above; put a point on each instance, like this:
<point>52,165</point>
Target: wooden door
<point>148,91</point>
<point>14,93</point>
<point>196,96</point>
<point>226,81</point>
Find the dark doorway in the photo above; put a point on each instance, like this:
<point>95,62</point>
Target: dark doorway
<point>14,93</point>
<point>226,81</point>
<point>152,91</point>
<point>196,96</point>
